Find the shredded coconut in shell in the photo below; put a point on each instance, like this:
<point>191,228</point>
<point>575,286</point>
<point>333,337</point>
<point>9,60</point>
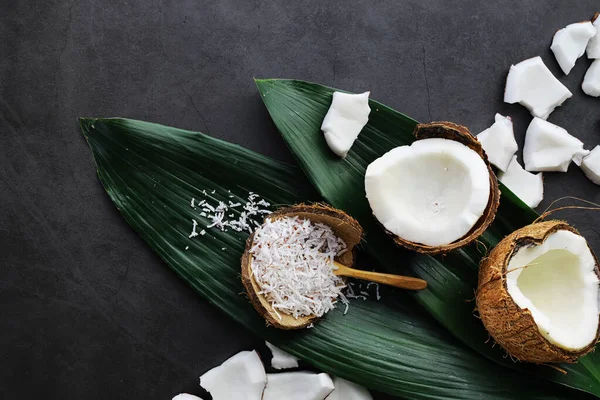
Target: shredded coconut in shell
<point>292,263</point>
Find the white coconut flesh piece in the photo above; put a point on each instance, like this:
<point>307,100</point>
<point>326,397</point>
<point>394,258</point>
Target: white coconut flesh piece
<point>527,186</point>
<point>281,359</point>
<point>242,377</point>
<point>297,386</point>
<point>570,43</point>
<point>549,147</point>
<point>498,142</point>
<point>531,84</point>
<point>556,281</point>
<point>185,396</point>
<point>346,117</point>
<point>591,81</point>
<point>431,192</point>
<point>593,47</point>
<point>590,165</point>
<point>346,390</point>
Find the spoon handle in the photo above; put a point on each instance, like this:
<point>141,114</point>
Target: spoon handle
<point>399,281</point>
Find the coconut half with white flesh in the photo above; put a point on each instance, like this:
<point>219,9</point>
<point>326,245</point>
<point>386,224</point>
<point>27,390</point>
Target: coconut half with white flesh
<point>590,165</point>
<point>242,377</point>
<point>591,81</point>
<point>527,186</point>
<point>436,195</point>
<point>549,147</point>
<point>531,84</point>
<point>344,227</point>
<point>499,142</point>
<point>281,359</point>
<point>297,386</point>
<point>346,390</point>
<point>570,43</point>
<point>538,294</point>
<point>346,117</point>
<point>593,47</point>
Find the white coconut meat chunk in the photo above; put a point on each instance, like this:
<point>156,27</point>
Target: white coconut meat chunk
<point>549,147</point>
<point>556,281</point>
<point>593,47</point>
<point>185,396</point>
<point>527,186</point>
<point>499,142</point>
<point>297,386</point>
<point>346,117</point>
<point>281,359</point>
<point>242,377</point>
<point>431,192</point>
<point>531,84</point>
<point>346,390</point>
<point>570,42</point>
<point>591,81</point>
<point>590,165</point>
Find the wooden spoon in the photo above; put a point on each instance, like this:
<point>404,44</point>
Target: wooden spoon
<point>344,227</point>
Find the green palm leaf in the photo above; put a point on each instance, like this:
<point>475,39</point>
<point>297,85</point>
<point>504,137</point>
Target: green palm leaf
<point>298,108</point>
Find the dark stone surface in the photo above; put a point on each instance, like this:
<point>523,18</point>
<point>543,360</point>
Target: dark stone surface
<point>88,311</point>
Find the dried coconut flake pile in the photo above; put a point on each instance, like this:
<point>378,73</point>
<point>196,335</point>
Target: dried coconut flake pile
<point>292,263</point>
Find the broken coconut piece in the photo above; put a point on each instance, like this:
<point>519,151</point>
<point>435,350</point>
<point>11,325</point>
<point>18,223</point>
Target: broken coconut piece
<point>297,386</point>
<point>281,359</point>
<point>531,84</point>
<point>591,81</point>
<point>347,116</point>
<point>346,390</point>
<point>185,396</point>
<point>242,377</point>
<point>549,147</point>
<point>437,194</point>
<point>590,165</point>
<point>593,47</point>
<point>545,277</point>
<point>499,142</point>
<point>570,43</point>
<point>527,186</point>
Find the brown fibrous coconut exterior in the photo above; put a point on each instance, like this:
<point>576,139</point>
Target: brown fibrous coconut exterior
<point>344,226</point>
<point>459,133</point>
<point>510,326</point>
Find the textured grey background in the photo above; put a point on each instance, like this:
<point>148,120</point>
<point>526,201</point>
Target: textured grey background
<point>87,310</point>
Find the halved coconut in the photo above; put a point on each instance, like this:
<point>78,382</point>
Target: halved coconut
<point>297,386</point>
<point>241,377</point>
<point>499,142</point>
<point>593,47</point>
<point>527,186</point>
<point>436,195</point>
<point>570,42</point>
<point>346,390</point>
<point>549,147</point>
<point>590,165</point>
<point>344,226</point>
<point>531,84</point>
<point>591,81</point>
<point>538,294</point>
<point>281,359</point>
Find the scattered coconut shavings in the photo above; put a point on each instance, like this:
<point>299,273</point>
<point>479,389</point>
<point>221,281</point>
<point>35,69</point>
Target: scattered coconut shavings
<point>292,265</point>
<point>192,203</point>
<point>194,226</point>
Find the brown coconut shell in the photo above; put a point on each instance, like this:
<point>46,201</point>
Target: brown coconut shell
<point>511,326</point>
<point>344,226</point>
<point>459,133</point>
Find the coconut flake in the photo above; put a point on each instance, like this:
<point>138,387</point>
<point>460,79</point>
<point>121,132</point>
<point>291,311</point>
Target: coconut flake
<point>591,81</point>
<point>346,390</point>
<point>531,84</point>
<point>297,386</point>
<point>194,226</point>
<point>499,142</point>
<point>281,359</point>
<point>346,117</point>
<point>593,47</point>
<point>549,147</point>
<point>570,43</point>
<point>292,261</point>
<point>591,165</point>
<point>242,377</point>
<point>527,186</point>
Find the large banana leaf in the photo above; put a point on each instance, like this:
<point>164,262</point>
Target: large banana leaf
<point>298,108</point>
<point>151,172</point>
